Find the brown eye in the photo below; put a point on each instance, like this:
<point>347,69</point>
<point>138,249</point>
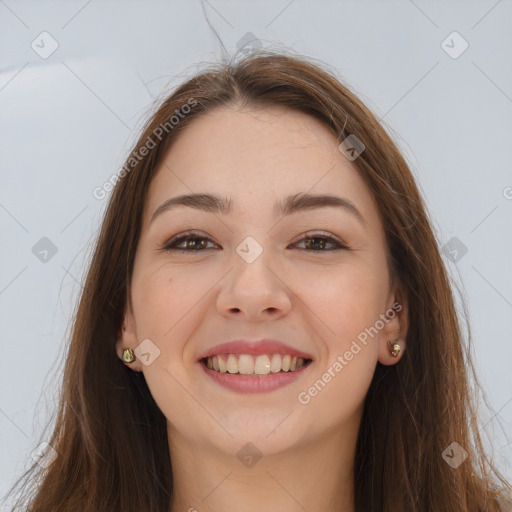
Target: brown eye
<point>190,242</point>
<point>319,242</point>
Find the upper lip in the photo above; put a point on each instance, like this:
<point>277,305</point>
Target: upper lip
<point>258,347</point>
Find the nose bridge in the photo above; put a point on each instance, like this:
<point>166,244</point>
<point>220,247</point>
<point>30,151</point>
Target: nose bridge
<point>252,284</point>
<point>251,259</point>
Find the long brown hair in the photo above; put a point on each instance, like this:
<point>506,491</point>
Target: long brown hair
<point>111,437</point>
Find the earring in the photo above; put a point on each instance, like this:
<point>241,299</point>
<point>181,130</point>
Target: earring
<point>394,349</point>
<point>128,356</point>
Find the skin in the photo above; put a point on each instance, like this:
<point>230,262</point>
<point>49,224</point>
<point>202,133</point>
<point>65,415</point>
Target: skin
<point>316,300</point>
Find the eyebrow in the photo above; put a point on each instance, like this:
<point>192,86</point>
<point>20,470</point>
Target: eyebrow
<point>291,204</point>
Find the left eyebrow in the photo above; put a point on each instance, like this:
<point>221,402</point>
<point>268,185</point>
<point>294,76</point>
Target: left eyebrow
<point>290,205</point>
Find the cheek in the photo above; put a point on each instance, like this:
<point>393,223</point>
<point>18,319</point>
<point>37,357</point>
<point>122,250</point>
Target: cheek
<point>170,303</point>
<point>347,305</point>
<point>162,297</point>
<point>347,300</point>
<point>350,304</point>
<point>166,306</point>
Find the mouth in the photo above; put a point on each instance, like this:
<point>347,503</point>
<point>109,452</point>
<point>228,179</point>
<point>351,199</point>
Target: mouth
<point>255,366</point>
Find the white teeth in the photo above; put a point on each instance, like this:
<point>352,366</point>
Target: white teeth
<point>262,365</point>
<point>232,364</point>
<point>246,364</point>
<point>275,365</point>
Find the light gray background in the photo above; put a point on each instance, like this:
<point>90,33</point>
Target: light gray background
<point>68,120</point>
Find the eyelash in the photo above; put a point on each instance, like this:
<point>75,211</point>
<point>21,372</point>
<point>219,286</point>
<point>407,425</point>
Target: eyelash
<point>171,244</point>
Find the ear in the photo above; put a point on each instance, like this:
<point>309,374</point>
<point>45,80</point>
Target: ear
<point>127,338</point>
<point>395,329</point>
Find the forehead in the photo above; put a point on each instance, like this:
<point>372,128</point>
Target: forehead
<point>256,156</point>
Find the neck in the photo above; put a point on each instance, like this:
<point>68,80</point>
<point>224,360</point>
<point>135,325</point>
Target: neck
<point>316,476</point>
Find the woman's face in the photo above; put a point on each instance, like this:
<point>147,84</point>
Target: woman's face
<point>260,272</point>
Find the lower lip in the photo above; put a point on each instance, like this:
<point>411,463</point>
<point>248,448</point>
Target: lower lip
<point>260,384</point>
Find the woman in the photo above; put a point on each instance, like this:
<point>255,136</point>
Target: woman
<point>267,323</point>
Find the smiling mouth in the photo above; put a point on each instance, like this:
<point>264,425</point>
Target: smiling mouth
<point>256,366</point>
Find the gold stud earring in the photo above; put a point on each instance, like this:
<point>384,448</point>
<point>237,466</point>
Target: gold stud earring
<point>128,356</point>
<point>394,349</point>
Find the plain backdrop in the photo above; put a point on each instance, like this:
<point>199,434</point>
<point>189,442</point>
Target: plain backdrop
<point>77,80</point>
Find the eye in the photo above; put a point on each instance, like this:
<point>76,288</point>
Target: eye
<point>190,239</point>
<point>195,242</point>
<point>316,242</point>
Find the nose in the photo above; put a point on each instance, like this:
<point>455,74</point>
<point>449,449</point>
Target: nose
<point>254,291</point>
